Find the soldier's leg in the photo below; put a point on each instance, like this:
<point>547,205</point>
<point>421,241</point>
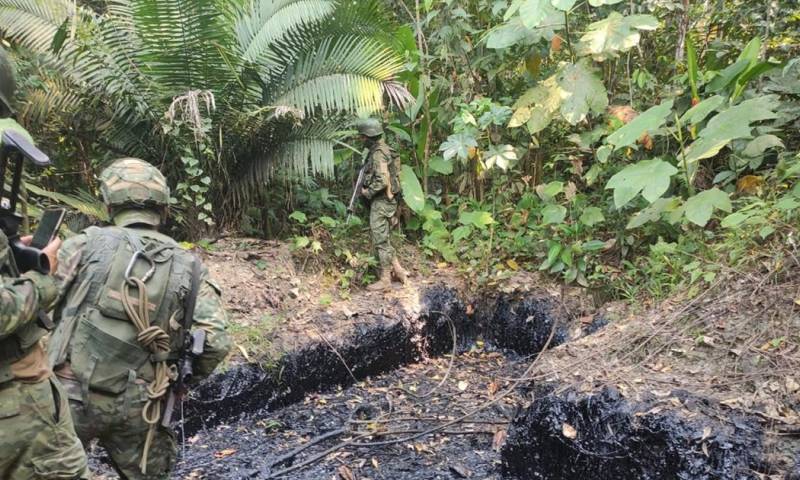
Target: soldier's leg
<point>43,441</point>
<point>125,441</point>
<point>380,215</point>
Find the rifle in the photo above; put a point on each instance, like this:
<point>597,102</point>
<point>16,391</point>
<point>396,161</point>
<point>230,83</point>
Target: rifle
<point>351,207</point>
<point>193,346</point>
<point>15,150</point>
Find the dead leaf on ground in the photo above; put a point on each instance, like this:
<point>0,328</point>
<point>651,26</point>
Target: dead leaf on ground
<point>225,453</point>
<point>493,388</point>
<point>345,473</point>
<point>461,471</point>
<point>499,440</point>
<point>569,431</point>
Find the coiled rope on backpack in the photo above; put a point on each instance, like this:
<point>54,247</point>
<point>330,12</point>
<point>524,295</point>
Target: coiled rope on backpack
<point>155,340</point>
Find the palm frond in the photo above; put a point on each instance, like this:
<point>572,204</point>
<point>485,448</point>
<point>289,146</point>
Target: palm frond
<point>339,75</point>
<point>267,28</point>
<point>34,23</point>
<point>81,201</point>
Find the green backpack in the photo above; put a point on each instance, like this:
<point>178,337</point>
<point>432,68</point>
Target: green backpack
<point>96,334</point>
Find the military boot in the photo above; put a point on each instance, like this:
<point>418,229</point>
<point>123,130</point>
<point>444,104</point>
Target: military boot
<point>384,283</point>
<point>400,273</point>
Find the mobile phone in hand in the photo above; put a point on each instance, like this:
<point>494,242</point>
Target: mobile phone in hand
<point>48,227</point>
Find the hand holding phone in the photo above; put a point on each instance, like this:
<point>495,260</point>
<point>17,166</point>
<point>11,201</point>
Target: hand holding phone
<point>48,227</point>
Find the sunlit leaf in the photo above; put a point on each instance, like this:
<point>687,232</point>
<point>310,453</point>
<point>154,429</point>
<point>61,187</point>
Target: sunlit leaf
<point>699,112</point>
<point>553,214</point>
<point>654,212</point>
<point>458,145</point>
<point>461,233</point>
<point>502,156</point>
<point>615,34</point>
<point>650,120</point>
<point>565,5</point>
<point>699,208</point>
<point>592,216</point>
<point>731,124</point>
<point>582,91</point>
<point>651,178</point>
<point>477,219</point>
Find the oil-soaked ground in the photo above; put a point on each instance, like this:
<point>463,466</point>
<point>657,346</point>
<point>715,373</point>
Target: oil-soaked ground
<point>393,407</point>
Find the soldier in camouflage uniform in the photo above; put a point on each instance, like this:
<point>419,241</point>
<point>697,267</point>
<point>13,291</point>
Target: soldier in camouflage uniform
<point>381,188</point>
<point>122,331</point>
<point>37,438</point>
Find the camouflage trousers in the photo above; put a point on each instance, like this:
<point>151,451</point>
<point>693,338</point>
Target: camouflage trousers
<point>381,212</point>
<point>116,422</point>
<point>37,439</point>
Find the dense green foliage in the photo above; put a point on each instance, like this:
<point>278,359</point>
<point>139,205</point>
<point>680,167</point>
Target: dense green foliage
<point>624,146</point>
<point>222,94</point>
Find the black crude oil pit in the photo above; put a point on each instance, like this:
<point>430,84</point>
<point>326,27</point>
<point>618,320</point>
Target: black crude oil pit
<point>246,423</point>
<point>605,437</point>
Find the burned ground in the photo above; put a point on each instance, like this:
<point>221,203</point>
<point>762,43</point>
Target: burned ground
<point>359,384</point>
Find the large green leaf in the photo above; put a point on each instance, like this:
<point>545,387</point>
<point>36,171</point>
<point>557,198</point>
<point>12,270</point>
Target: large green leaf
<point>654,212</point>
<point>502,156</point>
<point>731,124</point>
<point>535,12</point>
<point>553,214</point>
<point>648,121</point>
<point>479,219</point>
<point>515,32</point>
<point>651,178</point>
<point>412,190</point>
<point>699,112</point>
<point>761,144</point>
<point>574,92</point>
<point>592,216</point>
<point>582,91</point>
<point>458,145</point>
<point>565,5</point>
<point>615,34</point>
<point>699,208</point>
<point>441,166</point>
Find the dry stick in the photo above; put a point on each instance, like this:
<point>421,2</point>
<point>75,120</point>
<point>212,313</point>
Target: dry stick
<point>311,443</point>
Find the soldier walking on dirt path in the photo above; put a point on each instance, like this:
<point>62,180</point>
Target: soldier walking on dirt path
<point>126,319</point>
<point>381,189</point>
<point>37,437</point>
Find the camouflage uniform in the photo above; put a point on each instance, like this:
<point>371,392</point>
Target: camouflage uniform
<point>37,438</point>
<point>99,354</point>
<point>382,208</point>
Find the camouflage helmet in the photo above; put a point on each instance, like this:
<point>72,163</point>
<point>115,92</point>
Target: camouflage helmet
<point>134,192</point>
<point>8,83</point>
<point>370,127</point>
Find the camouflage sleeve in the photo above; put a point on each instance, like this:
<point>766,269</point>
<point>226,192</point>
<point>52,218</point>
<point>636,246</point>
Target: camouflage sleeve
<point>69,256</point>
<point>211,316</point>
<point>379,179</point>
<point>21,298</point>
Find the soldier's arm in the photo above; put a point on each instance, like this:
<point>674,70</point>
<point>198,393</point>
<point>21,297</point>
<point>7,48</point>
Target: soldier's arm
<point>210,316</point>
<point>22,298</point>
<point>69,256</point>
<point>379,180</point>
